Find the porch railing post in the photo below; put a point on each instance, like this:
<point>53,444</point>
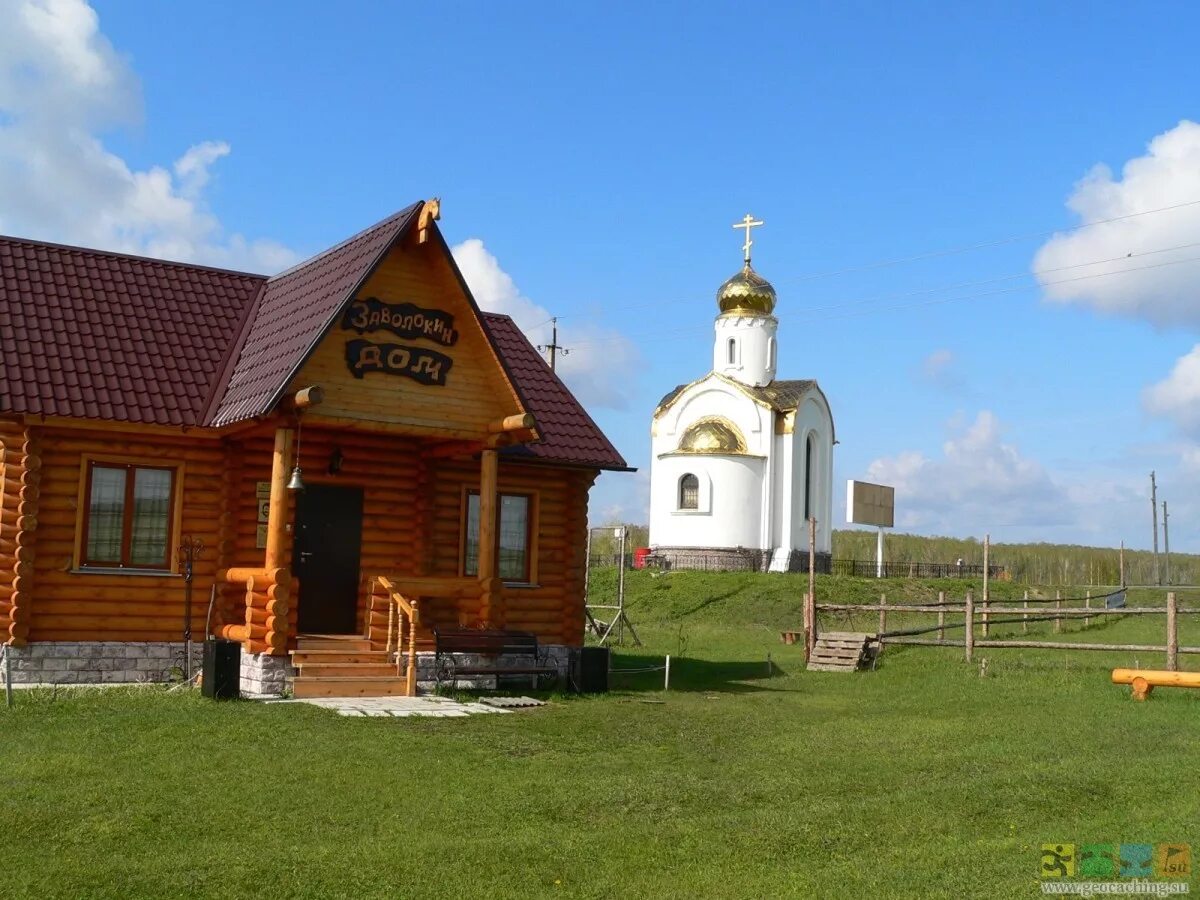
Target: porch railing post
<point>410,687</point>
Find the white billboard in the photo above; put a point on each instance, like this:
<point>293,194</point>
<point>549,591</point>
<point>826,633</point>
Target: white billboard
<point>870,504</point>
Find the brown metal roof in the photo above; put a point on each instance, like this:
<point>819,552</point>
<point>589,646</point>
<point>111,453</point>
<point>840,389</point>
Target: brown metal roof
<point>568,434</point>
<point>98,335</point>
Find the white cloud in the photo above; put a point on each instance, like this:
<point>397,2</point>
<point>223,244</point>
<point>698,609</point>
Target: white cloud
<point>600,362</point>
<point>621,497</point>
<point>1177,397</point>
<point>62,85</point>
<point>1163,287</point>
<point>940,369</point>
<point>979,481</point>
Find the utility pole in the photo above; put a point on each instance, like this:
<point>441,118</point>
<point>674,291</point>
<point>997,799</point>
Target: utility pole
<point>1166,543</point>
<point>1154,514</point>
<point>555,347</point>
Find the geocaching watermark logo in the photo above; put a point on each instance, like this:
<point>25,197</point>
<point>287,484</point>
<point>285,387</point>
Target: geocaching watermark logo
<point>1090,870</point>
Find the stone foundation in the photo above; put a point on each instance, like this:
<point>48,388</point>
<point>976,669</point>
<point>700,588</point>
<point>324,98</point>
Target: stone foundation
<point>264,676</point>
<point>100,662</point>
<point>556,657</point>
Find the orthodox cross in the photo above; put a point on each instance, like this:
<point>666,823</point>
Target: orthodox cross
<point>747,223</point>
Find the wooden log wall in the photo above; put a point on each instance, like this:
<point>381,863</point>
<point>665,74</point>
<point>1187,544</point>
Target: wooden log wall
<point>386,467</point>
<point>553,609</point>
<point>20,480</point>
<point>412,525</point>
<point>83,606</point>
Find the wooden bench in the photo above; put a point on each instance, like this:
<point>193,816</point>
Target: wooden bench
<point>1143,681</point>
<point>494,644</point>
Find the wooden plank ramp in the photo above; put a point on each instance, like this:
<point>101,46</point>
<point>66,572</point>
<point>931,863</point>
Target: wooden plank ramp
<point>839,651</point>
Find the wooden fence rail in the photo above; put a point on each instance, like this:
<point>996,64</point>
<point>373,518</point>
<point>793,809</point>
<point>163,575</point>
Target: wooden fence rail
<point>971,621</point>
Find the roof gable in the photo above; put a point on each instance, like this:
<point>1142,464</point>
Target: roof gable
<point>295,309</point>
<point>410,352</point>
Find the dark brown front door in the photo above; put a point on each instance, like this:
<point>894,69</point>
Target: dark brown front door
<point>325,557</point>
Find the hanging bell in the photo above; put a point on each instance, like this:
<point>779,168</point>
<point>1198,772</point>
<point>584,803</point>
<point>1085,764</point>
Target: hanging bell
<point>296,483</point>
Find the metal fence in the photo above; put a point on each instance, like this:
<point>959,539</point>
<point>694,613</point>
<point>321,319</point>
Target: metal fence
<point>760,561</point>
<point>867,569</point>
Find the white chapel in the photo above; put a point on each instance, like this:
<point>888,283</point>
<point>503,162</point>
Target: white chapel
<point>740,458</point>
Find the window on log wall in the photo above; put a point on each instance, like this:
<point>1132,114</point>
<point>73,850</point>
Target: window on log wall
<point>127,519</point>
<point>513,537</point>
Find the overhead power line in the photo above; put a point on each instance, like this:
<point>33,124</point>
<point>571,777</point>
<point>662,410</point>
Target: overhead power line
<point>983,245</point>
<point>839,313</point>
<point>949,251</point>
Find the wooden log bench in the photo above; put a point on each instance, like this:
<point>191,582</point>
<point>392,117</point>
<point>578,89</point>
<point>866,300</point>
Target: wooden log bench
<point>492,644</point>
<point>1143,681</point>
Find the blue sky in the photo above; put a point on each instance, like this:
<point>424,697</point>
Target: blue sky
<point>592,157</point>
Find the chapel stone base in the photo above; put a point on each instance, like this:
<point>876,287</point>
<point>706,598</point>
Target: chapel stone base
<point>736,559</point>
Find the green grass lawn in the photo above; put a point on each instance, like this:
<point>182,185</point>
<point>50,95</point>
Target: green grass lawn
<point>920,779</point>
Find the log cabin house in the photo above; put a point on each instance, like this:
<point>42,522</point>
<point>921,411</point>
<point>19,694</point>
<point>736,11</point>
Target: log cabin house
<point>157,418</point>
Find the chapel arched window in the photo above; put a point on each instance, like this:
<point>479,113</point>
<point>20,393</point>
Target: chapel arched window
<point>689,492</point>
<point>810,449</point>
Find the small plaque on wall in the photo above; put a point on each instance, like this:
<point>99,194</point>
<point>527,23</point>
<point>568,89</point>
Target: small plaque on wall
<point>262,496</point>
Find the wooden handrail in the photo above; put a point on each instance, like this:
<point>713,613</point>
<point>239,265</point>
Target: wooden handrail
<point>395,595</point>
<point>400,608</point>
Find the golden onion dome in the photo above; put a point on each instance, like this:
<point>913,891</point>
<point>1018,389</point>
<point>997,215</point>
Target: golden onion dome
<point>747,293</point>
<point>713,435</point>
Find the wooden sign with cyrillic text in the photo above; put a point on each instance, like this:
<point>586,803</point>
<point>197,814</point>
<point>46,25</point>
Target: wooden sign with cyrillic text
<point>417,363</point>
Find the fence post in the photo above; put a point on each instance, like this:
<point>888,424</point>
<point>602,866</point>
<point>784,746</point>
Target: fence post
<point>1058,605</point>
<point>1087,604</point>
<point>969,629</point>
<point>882,613</point>
<point>941,615</point>
<point>810,603</point>
<point>1172,633</point>
<point>987,598</point>
<point>1025,616</point>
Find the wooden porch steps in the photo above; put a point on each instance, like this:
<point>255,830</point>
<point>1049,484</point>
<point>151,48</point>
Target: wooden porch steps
<point>839,651</point>
<point>319,657</point>
<point>333,665</point>
<point>340,669</point>
<point>326,686</point>
<point>342,642</point>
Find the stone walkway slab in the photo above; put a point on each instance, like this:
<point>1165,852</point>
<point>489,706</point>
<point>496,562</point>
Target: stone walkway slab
<point>398,707</point>
<point>512,702</point>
